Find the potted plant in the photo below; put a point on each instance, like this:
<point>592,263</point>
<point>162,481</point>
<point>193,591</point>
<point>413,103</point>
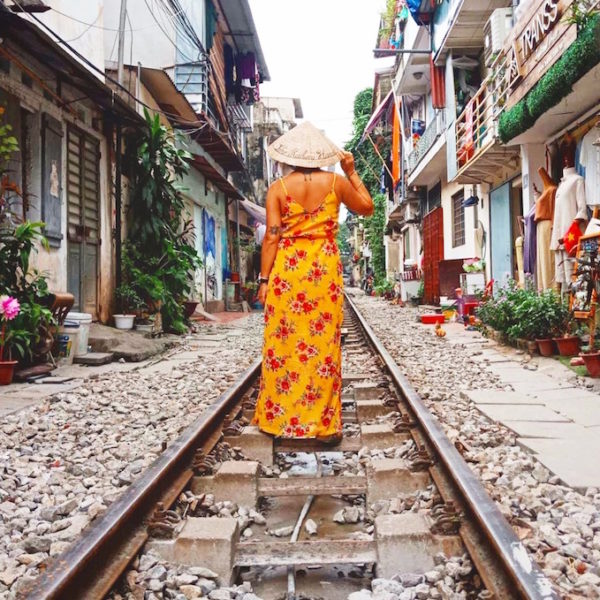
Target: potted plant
<point>567,343</point>
<point>591,358</point>
<point>189,306</point>
<point>130,303</point>
<point>9,309</point>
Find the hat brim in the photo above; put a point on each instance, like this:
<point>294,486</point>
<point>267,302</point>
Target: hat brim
<point>303,162</point>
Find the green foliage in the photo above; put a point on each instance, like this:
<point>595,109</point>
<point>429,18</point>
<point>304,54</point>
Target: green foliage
<point>17,242</point>
<point>385,287</point>
<point>343,239</point>
<point>367,167</point>
<point>160,259</point>
<point>374,229</point>
<point>525,313</point>
<point>556,84</point>
<point>28,286</point>
<point>368,164</point>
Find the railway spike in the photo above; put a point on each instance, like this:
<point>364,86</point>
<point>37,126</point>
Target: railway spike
<point>419,459</point>
<point>446,519</point>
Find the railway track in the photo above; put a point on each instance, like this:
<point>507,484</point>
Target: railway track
<point>298,519</point>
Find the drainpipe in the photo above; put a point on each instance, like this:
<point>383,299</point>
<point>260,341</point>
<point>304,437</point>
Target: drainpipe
<point>118,203</point>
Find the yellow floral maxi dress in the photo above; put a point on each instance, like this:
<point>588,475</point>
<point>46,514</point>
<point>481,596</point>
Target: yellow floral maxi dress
<point>302,358</point>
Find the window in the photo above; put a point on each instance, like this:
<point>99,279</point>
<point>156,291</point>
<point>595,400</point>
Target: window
<point>458,220</point>
<point>407,244</point>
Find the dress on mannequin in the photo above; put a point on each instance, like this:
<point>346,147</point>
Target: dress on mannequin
<point>569,206</point>
<point>544,216</point>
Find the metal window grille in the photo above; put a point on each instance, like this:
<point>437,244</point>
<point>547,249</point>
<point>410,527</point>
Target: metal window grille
<point>458,220</point>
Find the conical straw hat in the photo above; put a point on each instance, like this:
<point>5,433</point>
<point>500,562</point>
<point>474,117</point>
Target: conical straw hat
<point>304,146</point>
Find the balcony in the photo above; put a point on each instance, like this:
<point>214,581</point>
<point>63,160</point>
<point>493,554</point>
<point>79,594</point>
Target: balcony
<point>427,140</point>
<point>479,153</point>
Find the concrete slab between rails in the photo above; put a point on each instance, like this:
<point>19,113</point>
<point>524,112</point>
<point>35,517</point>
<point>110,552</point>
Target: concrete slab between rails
<point>208,542</point>
<point>391,477</point>
<point>318,552</point>
<point>254,444</point>
<point>366,391</point>
<point>405,544</point>
<point>236,480</point>
<point>348,378</point>
<point>572,460</point>
<point>371,409</point>
<point>381,436</point>
<point>318,486</point>
<point>498,397</point>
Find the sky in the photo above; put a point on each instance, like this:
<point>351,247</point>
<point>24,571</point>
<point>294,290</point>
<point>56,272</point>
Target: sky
<point>320,51</point>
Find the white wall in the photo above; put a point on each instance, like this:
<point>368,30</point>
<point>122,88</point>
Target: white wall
<point>467,250</point>
<point>87,40</point>
<point>153,35</point>
<point>533,156</point>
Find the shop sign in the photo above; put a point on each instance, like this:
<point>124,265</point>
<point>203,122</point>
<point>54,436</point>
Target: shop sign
<point>541,37</point>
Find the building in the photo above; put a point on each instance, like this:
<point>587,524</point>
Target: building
<point>181,64</point>
<point>65,119</point>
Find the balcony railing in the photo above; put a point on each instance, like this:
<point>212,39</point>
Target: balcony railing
<point>427,140</point>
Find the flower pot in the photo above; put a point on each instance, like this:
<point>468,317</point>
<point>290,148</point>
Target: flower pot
<point>521,344</point>
<point>189,308</point>
<point>568,346</point>
<point>124,321</point>
<point>532,346</point>
<point>7,369</point>
<point>592,363</point>
<point>144,327</point>
<point>546,347</point>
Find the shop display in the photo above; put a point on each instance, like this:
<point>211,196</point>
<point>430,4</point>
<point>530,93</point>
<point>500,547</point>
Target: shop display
<point>570,206</point>
<point>544,217</point>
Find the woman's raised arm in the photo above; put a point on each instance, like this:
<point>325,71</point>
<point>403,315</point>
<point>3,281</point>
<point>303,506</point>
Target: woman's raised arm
<point>354,193</point>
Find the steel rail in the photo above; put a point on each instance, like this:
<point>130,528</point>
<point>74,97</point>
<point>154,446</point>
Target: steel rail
<point>527,577</point>
<point>73,573</point>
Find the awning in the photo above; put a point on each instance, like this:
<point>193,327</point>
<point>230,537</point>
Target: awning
<point>213,175</point>
<point>258,213</point>
<point>380,112</point>
<point>217,144</point>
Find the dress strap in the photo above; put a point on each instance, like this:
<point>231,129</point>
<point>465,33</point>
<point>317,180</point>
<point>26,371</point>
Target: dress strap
<point>333,184</point>
<point>283,186</point>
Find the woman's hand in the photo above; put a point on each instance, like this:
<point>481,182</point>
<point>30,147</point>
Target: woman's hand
<point>347,162</point>
<point>262,293</point>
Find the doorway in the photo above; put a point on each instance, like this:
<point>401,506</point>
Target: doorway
<point>83,219</point>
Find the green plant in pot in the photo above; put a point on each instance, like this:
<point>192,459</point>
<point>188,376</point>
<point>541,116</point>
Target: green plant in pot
<point>567,343</point>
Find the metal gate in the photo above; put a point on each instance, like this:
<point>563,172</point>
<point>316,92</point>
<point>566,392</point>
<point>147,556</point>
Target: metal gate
<point>433,254</point>
<point>83,219</point>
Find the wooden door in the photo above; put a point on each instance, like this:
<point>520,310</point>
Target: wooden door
<point>83,218</point>
<point>433,254</point>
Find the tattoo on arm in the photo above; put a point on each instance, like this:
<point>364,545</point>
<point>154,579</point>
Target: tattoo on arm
<point>274,230</point>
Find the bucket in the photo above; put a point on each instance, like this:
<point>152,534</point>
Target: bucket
<point>84,320</point>
<point>66,341</point>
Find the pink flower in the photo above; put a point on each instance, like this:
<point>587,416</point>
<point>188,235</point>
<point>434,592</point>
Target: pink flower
<point>9,307</point>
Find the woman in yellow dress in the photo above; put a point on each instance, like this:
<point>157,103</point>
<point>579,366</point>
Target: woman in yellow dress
<point>301,287</point>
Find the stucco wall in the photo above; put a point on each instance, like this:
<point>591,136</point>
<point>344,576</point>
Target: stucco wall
<point>75,28</point>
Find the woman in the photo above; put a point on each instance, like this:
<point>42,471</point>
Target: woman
<point>301,287</point>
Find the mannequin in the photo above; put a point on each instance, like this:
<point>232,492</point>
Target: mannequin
<point>544,216</point>
<point>569,206</point>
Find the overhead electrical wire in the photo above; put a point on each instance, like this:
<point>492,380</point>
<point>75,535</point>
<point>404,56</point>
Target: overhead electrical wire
<point>93,67</point>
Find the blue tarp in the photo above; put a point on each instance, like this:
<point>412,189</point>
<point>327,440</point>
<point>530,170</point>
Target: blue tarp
<point>414,6</point>
<point>209,235</point>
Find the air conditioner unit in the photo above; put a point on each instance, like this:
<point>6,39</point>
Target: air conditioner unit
<point>496,30</point>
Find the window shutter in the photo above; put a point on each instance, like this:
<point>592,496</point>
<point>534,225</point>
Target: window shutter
<point>52,179</point>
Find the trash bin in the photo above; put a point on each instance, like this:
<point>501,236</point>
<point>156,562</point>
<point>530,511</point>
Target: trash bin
<point>84,320</point>
<point>66,341</point>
